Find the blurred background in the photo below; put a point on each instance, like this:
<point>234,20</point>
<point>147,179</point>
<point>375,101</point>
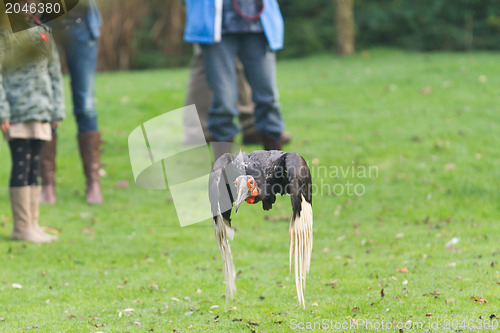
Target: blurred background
<point>148,34</point>
<point>419,101</point>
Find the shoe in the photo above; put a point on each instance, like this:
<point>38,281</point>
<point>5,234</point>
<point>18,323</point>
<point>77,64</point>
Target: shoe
<point>35,213</point>
<point>285,138</point>
<point>89,143</point>
<point>270,143</point>
<point>252,139</point>
<point>20,200</point>
<point>256,139</point>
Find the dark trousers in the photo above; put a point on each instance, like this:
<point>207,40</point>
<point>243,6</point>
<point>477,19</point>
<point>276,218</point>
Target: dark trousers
<point>259,64</point>
<point>199,93</point>
<point>25,155</point>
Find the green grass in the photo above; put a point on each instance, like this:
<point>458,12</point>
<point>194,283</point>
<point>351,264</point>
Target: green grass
<point>427,122</point>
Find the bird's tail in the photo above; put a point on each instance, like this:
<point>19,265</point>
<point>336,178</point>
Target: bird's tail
<point>301,243</point>
<point>222,232</point>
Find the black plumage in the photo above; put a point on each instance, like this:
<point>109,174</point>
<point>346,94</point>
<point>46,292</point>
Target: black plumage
<point>259,177</point>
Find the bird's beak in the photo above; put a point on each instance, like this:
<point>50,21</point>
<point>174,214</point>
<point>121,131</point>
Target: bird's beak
<point>243,193</point>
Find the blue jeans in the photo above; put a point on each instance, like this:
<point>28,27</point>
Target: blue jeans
<point>81,55</point>
<point>259,63</point>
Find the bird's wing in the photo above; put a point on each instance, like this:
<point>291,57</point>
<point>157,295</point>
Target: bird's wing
<point>221,199</point>
<point>222,193</point>
<point>222,188</point>
<point>301,223</point>
<point>299,177</point>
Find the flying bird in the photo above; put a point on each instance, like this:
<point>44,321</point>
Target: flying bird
<point>259,177</point>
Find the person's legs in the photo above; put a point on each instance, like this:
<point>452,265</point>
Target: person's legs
<point>259,63</point>
<point>221,77</point>
<point>36,147</point>
<point>246,107</point>
<point>19,191</point>
<point>81,56</point>
<point>199,94</point>
<point>20,152</point>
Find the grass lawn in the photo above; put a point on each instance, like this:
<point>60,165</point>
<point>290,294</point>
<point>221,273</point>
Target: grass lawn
<point>425,126</point>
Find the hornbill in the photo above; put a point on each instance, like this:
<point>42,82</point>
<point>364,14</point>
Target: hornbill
<point>259,177</point>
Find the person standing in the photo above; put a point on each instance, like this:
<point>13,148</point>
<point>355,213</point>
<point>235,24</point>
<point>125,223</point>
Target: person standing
<point>250,30</point>
<point>77,34</point>
<point>31,103</point>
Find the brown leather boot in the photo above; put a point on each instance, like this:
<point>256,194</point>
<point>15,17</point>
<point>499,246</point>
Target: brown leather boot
<point>48,171</point>
<point>270,143</point>
<point>91,158</point>
<point>21,215</point>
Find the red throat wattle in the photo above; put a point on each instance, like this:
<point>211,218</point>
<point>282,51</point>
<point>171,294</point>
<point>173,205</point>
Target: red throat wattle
<point>252,188</point>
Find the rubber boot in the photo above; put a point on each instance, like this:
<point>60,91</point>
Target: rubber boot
<point>89,143</point>
<point>48,171</point>
<point>21,215</point>
<point>35,213</point>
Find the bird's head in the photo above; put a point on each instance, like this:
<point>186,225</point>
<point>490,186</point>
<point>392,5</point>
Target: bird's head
<point>246,189</point>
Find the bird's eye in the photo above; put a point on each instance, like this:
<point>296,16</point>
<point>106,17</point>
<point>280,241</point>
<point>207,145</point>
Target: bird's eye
<point>251,183</point>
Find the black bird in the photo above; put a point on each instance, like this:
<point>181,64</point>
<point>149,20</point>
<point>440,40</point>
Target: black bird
<point>259,177</point>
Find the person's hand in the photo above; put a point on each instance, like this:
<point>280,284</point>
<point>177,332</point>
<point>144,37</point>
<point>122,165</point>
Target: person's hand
<point>5,126</point>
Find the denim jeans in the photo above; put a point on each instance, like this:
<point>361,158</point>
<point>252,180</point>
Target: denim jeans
<point>80,47</point>
<point>259,64</point>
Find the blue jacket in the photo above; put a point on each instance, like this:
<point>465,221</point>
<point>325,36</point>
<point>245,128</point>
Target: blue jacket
<point>204,21</point>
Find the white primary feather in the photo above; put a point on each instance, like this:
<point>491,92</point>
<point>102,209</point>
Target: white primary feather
<point>301,244</point>
<point>222,232</point>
